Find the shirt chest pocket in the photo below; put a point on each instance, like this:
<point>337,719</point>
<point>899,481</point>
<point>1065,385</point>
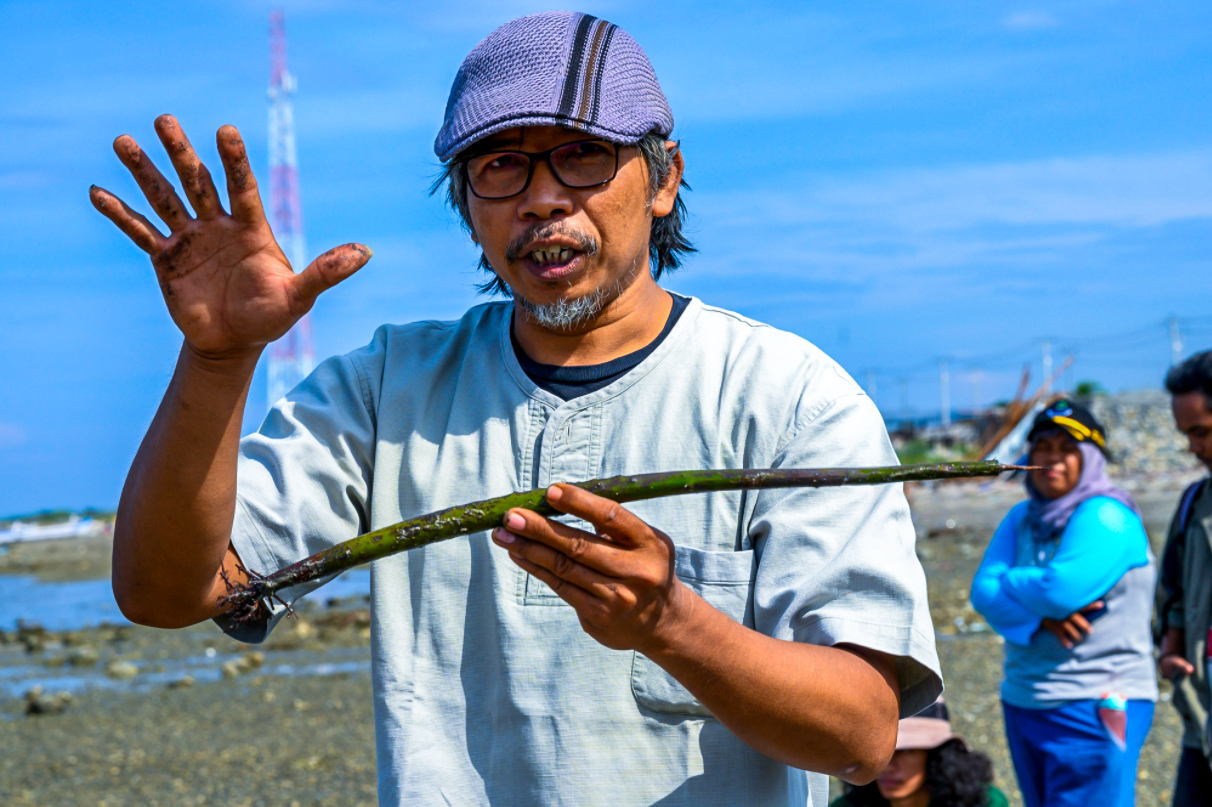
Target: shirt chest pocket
<point>725,581</point>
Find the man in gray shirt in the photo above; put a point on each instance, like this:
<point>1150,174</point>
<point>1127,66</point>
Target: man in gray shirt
<point>1184,595</point>
<point>692,650</point>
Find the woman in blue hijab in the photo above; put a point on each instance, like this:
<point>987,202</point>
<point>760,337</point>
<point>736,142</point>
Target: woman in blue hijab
<point>1067,581</point>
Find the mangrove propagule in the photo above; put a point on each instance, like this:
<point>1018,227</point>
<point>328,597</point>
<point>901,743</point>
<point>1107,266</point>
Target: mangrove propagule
<point>246,601</point>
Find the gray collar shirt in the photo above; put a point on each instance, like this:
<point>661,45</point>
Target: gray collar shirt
<point>486,689</point>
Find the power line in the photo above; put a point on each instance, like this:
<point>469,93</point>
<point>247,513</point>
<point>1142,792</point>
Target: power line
<point>1132,349</point>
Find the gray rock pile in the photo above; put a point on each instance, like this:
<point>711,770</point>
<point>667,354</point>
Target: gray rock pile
<point>1140,429</point>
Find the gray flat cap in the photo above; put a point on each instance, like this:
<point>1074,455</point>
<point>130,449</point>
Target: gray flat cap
<point>558,68</point>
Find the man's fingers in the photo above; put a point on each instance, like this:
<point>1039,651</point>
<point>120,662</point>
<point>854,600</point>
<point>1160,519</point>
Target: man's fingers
<point>1173,664</point>
<point>158,190</point>
<point>610,518</point>
<point>570,593</point>
<point>556,562</point>
<point>195,179</point>
<point>1094,606</point>
<point>241,184</point>
<point>330,269</point>
<point>1081,623</point>
<point>597,553</point>
<point>137,227</point>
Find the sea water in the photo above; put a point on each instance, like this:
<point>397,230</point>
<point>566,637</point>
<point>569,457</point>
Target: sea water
<point>78,604</point>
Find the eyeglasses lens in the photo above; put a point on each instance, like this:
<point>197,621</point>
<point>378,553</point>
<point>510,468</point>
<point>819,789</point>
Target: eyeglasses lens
<point>501,174</point>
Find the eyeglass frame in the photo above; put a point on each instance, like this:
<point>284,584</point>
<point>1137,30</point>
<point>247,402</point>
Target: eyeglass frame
<point>535,157</point>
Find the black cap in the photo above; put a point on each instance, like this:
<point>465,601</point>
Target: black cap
<point>1074,418</point>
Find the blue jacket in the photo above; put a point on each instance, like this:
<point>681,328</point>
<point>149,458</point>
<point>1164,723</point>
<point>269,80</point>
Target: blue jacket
<point>1020,582</point>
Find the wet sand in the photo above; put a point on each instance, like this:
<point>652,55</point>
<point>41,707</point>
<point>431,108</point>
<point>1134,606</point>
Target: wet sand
<point>297,728</point>
<point>66,559</point>
<point>288,723</point>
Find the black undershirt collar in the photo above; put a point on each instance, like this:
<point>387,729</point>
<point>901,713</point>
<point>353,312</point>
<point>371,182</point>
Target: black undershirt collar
<point>567,383</point>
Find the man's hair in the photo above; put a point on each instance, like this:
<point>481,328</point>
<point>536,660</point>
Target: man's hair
<point>1193,375</point>
<point>667,244</point>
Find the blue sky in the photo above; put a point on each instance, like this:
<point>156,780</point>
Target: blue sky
<point>896,182</point>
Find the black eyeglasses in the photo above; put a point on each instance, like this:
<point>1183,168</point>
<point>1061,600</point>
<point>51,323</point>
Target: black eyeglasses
<point>580,164</point>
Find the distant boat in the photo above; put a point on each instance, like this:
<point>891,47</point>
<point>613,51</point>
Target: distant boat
<point>74,527</point>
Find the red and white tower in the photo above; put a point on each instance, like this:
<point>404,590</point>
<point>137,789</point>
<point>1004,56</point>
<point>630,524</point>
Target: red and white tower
<point>291,358</point>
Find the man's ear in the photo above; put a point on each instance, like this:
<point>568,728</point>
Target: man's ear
<point>667,194</point>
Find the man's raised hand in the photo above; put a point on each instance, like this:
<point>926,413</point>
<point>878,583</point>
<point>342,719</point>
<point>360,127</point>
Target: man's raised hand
<point>227,284</point>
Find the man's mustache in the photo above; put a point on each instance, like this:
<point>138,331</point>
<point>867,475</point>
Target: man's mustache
<point>524,242</point>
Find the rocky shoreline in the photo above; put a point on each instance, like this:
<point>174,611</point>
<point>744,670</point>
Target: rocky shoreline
<point>130,715</point>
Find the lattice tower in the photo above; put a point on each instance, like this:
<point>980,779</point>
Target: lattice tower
<point>291,358</point>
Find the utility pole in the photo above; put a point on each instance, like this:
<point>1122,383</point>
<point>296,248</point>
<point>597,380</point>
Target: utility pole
<point>1176,342</point>
<point>944,383</point>
<point>1047,365</point>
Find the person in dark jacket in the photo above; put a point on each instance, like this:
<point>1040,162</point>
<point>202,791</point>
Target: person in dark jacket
<point>932,767</point>
<point>1185,587</point>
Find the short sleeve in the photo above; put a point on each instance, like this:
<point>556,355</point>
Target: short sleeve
<point>303,480</point>
<point>837,565</point>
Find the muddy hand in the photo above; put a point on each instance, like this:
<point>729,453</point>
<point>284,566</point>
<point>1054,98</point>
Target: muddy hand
<point>227,284</point>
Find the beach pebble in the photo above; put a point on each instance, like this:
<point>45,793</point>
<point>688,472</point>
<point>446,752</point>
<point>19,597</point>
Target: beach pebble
<point>39,702</point>
<point>84,655</point>
<point>121,670</point>
<point>304,629</point>
<point>245,664</point>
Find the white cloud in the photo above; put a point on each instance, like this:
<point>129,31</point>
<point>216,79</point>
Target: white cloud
<point>1123,191</point>
<point>893,239</point>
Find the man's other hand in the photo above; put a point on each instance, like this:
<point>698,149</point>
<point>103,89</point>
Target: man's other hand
<point>1172,660</point>
<point>620,580</point>
<point>1172,665</point>
<point>227,284</point>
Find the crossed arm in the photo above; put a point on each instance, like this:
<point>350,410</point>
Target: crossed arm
<point>231,291</point>
<point>1102,541</point>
